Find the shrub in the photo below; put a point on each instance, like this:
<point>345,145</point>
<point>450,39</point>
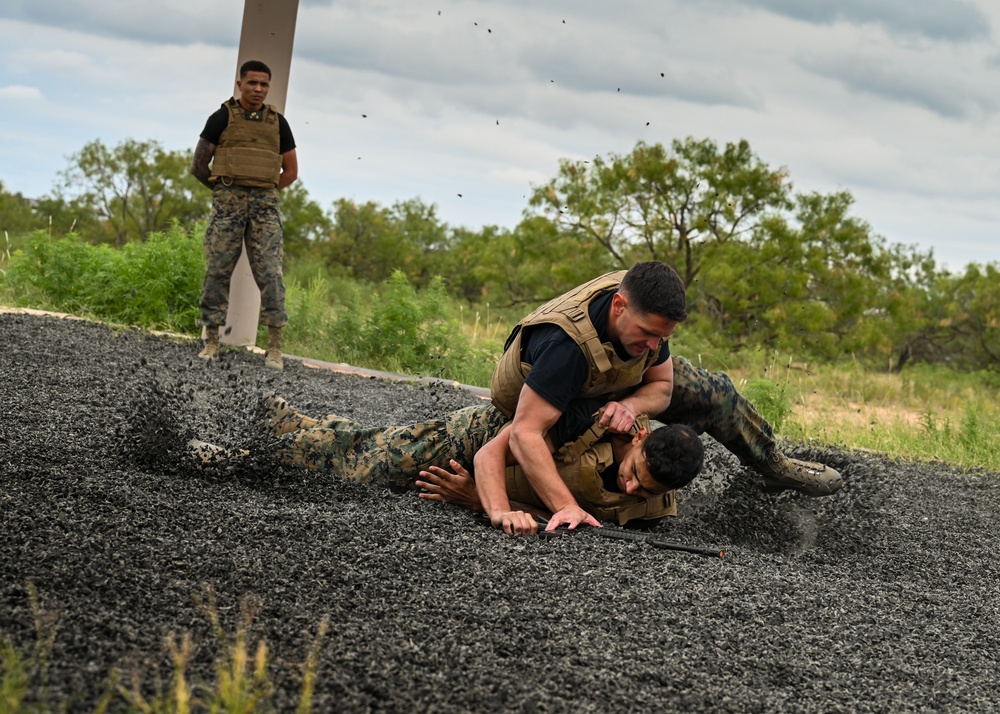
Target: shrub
<point>403,330</point>
<point>155,284</point>
<point>770,399</point>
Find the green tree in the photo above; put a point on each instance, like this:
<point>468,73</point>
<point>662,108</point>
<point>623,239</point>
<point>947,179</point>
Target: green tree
<point>360,241</point>
<point>372,242</point>
<point>960,320</point>
<point>59,215</point>
<point>304,223</point>
<point>136,188</point>
<point>975,315</point>
<point>819,283</point>
<point>677,206</point>
<point>16,214</point>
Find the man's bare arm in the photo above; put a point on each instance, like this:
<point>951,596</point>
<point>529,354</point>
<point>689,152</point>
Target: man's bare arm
<point>289,169</point>
<point>203,154</point>
<point>491,481</point>
<point>652,398</point>
<point>532,421</point>
<point>487,493</point>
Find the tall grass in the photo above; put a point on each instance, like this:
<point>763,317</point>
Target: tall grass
<point>242,683</point>
<point>391,327</point>
<point>927,412</point>
<point>155,284</point>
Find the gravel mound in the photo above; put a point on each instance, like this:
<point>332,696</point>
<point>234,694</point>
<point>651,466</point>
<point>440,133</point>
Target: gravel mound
<point>880,598</point>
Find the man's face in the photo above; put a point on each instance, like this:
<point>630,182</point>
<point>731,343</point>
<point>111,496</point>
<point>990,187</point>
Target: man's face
<point>637,332</point>
<point>633,472</point>
<point>253,88</point>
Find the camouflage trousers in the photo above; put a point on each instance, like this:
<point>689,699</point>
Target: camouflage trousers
<point>389,456</point>
<point>241,213</point>
<point>709,403</point>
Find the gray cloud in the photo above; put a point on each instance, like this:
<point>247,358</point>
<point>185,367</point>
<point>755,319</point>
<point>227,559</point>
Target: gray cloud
<point>139,21</point>
<point>514,51</point>
<point>634,71</point>
<point>950,20</point>
<point>876,76</point>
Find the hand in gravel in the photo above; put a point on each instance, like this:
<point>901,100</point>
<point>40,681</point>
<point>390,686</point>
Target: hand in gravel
<point>515,523</point>
<point>458,487</point>
<point>571,517</point>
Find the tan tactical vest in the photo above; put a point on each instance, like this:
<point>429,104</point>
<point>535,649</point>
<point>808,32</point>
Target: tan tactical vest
<point>248,153</point>
<point>609,374</point>
<point>580,464</point>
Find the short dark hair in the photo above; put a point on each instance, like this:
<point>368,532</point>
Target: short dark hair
<point>655,288</point>
<point>254,66</point>
<point>674,454</point>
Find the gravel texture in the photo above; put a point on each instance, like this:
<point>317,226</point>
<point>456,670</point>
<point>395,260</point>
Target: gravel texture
<point>880,598</point>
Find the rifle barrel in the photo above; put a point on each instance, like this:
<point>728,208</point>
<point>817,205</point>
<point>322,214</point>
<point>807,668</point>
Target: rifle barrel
<point>635,537</point>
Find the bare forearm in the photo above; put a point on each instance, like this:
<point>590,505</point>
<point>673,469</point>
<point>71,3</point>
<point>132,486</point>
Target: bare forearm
<point>289,169</point>
<point>285,180</point>
<point>203,154</point>
<point>532,453</point>
<point>651,398</point>
<point>491,475</point>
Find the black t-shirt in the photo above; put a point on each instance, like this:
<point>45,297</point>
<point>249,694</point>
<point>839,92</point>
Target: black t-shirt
<point>559,369</point>
<point>218,122</point>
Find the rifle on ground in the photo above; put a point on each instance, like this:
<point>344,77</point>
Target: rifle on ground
<point>621,534</point>
<point>634,536</point>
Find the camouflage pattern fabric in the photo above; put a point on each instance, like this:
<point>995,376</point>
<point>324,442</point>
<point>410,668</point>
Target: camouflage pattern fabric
<point>391,456</point>
<point>709,403</point>
<point>242,213</point>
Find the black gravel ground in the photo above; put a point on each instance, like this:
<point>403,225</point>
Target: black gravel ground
<point>880,598</point>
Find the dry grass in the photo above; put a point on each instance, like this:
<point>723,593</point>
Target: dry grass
<point>925,413</point>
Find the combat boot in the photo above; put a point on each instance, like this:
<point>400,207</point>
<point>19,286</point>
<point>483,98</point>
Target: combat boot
<point>207,453</point>
<point>782,473</point>
<point>283,419</point>
<point>211,348</point>
<point>272,358</point>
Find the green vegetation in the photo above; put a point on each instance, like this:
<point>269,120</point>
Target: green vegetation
<point>154,284</point>
<point>887,335</point>
<point>242,682</point>
<point>927,413</point>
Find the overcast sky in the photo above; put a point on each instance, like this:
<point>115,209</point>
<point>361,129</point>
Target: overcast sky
<point>896,101</point>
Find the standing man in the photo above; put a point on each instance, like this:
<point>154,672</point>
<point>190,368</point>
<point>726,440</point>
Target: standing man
<point>609,338</point>
<point>252,154</point>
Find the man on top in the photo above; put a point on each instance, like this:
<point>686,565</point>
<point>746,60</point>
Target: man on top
<point>252,154</point>
<point>608,338</point>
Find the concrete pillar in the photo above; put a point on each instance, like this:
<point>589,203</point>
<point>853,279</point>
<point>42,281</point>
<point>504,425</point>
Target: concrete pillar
<point>267,35</point>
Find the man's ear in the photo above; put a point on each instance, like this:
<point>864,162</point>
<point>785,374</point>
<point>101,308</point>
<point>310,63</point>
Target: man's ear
<point>618,303</point>
<point>640,436</point>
